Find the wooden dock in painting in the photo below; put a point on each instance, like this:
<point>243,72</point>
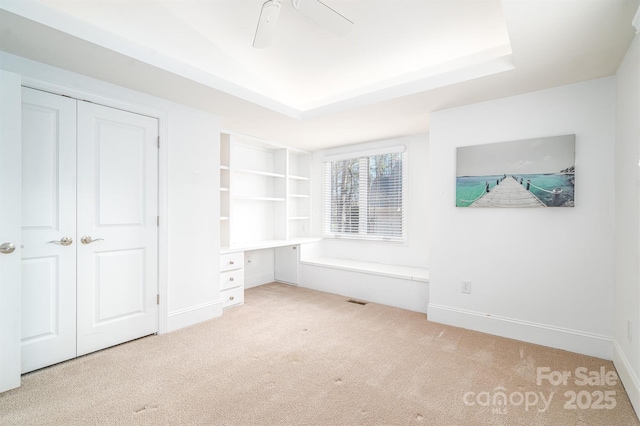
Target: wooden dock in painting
<point>509,193</point>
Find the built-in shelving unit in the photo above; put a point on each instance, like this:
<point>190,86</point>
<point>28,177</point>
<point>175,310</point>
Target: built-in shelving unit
<point>264,192</point>
<point>299,194</point>
<point>225,182</point>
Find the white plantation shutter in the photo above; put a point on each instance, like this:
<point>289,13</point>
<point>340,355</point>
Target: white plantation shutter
<point>364,196</point>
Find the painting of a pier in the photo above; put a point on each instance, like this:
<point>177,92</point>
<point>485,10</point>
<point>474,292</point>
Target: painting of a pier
<point>525,173</point>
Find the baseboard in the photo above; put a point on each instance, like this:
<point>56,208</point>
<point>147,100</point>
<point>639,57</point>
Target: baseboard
<point>541,334</point>
<point>628,376</point>
<point>194,315</point>
<point>258,280</point>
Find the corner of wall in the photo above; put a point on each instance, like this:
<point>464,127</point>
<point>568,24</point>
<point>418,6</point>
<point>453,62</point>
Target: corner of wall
<point>626,315</point>
<point>629,378</point>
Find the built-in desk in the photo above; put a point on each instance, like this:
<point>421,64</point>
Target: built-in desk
<point>232,265</point>
<point>394,285</point>
<point>258,245</point>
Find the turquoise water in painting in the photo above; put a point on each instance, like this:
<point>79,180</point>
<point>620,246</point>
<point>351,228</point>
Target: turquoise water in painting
<point>470,188</point>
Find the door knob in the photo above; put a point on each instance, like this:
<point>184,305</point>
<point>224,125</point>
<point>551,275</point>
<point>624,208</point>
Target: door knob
<point>64,241</point>
<point>7,248</point>
<point>88,240</point>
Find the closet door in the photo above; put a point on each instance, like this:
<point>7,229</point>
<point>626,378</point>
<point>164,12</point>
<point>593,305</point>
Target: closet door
<point>48,229</point>
<point>117,226</point>
<point>10,235</point>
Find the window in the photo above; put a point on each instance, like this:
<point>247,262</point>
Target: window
<point>364,196</point>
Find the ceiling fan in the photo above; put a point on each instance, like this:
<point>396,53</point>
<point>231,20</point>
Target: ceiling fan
<point>313,9</point>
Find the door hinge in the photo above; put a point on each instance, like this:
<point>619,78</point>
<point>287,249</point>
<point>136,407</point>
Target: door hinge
<point>158,220</point>
<point>158,141</point>
<point>157,299</point>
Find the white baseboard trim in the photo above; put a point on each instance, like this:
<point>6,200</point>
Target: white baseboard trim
<point>541,334</point>
<point>194,315</point>
<point>258,280</point>
<point>629,378</point>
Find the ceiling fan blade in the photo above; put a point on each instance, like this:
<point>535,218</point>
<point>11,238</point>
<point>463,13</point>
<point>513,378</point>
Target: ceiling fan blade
<point>266,24</point>
<point>322,14</point>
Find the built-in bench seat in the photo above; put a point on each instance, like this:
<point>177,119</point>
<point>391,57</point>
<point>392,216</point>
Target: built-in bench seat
<point>400,286</point>
<point>394,271</point>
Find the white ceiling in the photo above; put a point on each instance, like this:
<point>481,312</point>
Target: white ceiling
<point>310,88</point>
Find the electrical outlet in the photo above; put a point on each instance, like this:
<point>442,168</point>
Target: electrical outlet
<point>629,328</point>
<point>466,286</point>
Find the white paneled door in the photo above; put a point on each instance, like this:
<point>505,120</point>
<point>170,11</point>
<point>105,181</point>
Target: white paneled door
<point>117,226</point>
<point>10,239</point>
<point>48,229</point>
<point>89,209</point>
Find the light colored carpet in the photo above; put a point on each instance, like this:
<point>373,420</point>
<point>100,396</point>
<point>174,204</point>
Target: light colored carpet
<point>292,356</point>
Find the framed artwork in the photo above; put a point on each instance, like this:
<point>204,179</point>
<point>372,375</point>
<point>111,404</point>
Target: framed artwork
<point>526,173</point>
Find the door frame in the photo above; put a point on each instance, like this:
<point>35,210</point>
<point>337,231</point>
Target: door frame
<point>89,95</point>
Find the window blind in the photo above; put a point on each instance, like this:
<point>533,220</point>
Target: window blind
<point>364,197</point>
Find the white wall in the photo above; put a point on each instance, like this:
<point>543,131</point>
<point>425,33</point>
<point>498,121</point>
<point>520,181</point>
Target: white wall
<point>189,184</point>
<point>627,236</point>
<point>416,251</point>
<point>194,208</point>
<point>538,275</point>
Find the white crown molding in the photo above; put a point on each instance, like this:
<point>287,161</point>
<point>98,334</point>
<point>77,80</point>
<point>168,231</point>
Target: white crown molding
<point>60,21</point>
<point>636,21</point>
<point>481,64</point>
<point>487,62</point>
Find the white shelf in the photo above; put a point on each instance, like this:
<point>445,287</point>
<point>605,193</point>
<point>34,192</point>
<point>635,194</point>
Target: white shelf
<point>258,172</point>
<point>225,189</point>
<point>249,198</point>
<point>264,191</point>
<point>298,177</point>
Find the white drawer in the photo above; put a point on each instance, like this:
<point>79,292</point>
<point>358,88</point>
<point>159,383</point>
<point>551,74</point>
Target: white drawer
<point>231,261</point>
<point>230,279</point>
<point>232,296</point>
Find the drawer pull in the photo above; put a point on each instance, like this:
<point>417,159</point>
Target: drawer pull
<point>231,262</point>
<point>231,298</point>
<point>231,279</point>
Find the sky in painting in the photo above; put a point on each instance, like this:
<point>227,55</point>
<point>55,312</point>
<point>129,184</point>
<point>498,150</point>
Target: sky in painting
<point>531,156</point>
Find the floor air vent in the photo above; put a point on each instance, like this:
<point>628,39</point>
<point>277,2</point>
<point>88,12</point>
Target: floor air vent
<point>357,302</point>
